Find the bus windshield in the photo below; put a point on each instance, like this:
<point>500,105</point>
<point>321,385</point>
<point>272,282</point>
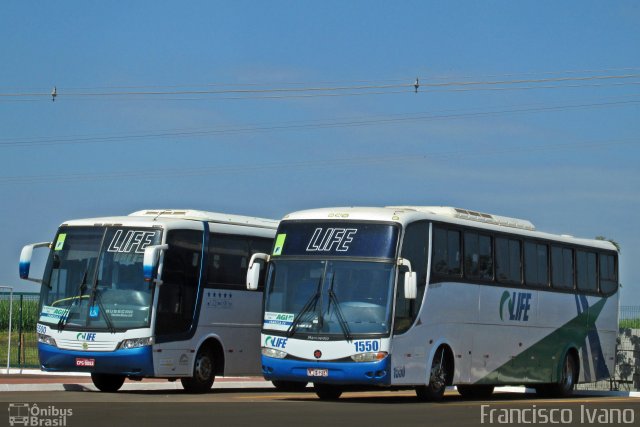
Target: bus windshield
<point>94,279</point>
<point>329,297</point>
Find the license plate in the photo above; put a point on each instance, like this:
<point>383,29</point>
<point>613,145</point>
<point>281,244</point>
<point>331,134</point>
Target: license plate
<point>84,362</point>
<point>317,372</point>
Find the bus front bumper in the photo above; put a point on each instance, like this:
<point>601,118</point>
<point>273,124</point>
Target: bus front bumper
<point>133,362</point>
<point>353,373</point>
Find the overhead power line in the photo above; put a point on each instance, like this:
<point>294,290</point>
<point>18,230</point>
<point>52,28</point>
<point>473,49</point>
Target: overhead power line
<point>306,125</point>
<point>289,165</point>
<point>345,90</point>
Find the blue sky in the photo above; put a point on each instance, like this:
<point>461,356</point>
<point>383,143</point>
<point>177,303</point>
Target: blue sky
<point>560,148</point>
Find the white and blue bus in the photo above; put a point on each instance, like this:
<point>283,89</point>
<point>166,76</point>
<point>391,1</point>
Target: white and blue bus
<point>158,293</point>
<point>427,297</point>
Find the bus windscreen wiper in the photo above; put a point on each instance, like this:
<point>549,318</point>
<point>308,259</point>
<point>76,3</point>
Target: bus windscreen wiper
<point>95,293</point>
<point>343,323</point>
<point>311,302</point>
<point>75,299</point>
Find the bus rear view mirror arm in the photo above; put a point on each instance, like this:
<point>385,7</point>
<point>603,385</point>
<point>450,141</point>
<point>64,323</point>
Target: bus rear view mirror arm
<point>410,280</point>
<point>150,261</point>
<point>253,274</point>
<point>25,260</point>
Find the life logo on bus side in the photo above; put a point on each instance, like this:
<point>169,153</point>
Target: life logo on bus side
<point>518,304</point>
<point>324,240</point>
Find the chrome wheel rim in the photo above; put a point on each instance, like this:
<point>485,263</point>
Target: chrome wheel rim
<point>203,368</point>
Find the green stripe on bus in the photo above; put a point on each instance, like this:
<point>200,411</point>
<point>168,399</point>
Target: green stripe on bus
<point>541,361</point>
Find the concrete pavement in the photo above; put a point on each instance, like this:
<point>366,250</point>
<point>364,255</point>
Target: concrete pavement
<point>34,380</point>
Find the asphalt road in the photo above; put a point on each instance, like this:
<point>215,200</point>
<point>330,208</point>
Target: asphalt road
<point>260,408</point>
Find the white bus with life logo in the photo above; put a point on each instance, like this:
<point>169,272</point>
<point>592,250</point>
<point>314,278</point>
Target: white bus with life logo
<point>157,293</point>
<point>425,297</point>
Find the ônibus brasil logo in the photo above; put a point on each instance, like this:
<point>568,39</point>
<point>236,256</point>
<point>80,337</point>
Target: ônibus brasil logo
<point>518,305</point>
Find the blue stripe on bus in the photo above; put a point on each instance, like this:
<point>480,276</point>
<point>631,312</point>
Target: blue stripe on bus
<point>599,362</point>
<point>134,361</point>
<point>583,348</point>
<point>356,373</point>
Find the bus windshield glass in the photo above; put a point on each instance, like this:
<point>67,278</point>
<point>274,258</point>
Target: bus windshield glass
<point>344,298</point>
<point>331,278</point>
<point>94,279</point>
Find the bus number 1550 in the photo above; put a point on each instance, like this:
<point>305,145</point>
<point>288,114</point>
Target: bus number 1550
<point>366,346</point>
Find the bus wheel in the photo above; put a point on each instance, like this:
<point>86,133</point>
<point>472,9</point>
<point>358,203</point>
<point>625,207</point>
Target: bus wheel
<point>568,379</point>
<point>290,385</point>
<point>475,391</point>
<point>107,382</point>
<point>203,373</point>
<point>441,372</point>
<point>327,391</point>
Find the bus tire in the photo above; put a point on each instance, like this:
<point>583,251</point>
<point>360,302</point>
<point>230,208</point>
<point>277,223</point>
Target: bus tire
<point>475,391</point>
<point>203,373</point>
<point>108,383</point>
<point>440,375</point>
<point>327,391</point>
<point>568,378</point>
<point>289,385</point>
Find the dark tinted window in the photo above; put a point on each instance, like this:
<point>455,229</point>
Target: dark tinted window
<point>586,272</point>
<point>180,276</point>
<point>414,248</point>
<point>608,274</point>
<point>446,252</point>
<point>508,260</point>
<point>561,267</point>
<point>535,264</point>
<point>228,259</point>
<point>478,257</point>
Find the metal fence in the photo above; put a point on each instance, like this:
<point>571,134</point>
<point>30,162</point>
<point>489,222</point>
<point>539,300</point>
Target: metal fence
<point>24,341</point>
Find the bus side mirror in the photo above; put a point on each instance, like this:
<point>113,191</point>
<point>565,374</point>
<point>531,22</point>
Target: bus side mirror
<point>25,260</point>
<point>410,285</point>
<point>410,280</point>
<point>150,260</point>
<point>253,274</point>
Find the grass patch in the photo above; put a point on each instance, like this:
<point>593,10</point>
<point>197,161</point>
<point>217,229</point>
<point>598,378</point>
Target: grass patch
<point>24,355</point>
<point>630,323</point>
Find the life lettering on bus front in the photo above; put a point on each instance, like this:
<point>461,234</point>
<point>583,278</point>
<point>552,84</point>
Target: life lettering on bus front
<point>131,241</point>
<point>325,240</point>
<point>341,239</point>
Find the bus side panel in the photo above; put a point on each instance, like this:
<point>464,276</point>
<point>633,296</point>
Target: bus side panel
<point>535,352</point>
<point>234,316</point>
<point>439,322</point>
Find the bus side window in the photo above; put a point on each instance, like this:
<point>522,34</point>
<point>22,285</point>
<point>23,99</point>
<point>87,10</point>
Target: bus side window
<point>228,260</point>
<point>478,257</point>
<point>586,273</point>
<point>536,271</point>
<point>608,274</point>
<point>508,261</point>
<point>562,273</point>
<point>446,252</point>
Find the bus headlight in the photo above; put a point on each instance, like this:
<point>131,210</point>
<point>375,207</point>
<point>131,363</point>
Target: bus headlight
<point>369,357</point>
<point>46,339</point>
<point>272,352</point>
<point>136,342</point>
